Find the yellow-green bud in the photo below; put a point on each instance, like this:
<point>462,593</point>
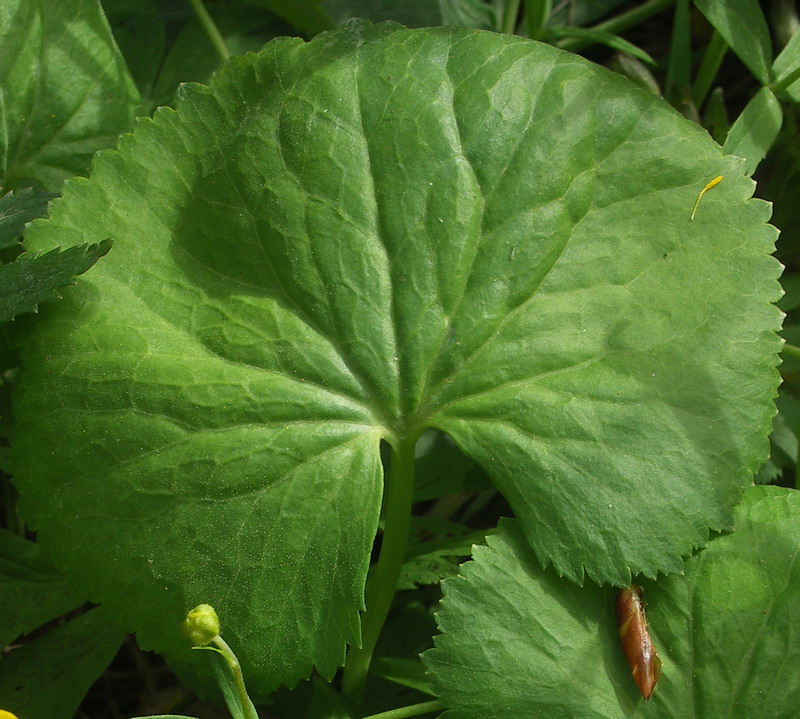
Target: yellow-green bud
<point>201,625</point>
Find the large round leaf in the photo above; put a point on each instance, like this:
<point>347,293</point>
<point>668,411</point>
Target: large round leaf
<point>355,238</point>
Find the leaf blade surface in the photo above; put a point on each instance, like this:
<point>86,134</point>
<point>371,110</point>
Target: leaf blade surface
<point>352,239</point>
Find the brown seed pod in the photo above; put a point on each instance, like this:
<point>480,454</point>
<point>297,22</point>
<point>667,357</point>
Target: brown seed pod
<point>639,650</point>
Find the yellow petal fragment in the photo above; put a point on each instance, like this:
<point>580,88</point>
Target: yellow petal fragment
<point>711,184</point>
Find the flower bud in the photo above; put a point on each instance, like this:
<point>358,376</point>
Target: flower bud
<point>201,625</point>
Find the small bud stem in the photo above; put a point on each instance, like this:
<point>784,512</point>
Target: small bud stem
<point>238,677</point>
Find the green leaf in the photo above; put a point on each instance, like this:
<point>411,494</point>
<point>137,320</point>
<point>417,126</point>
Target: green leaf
<point>715,116</point>
<point>31,591</point>
<point>347,241</point>
<point>727,629</point>
<point>755,129</point>
<point>308,16</point>
<point>636,72</point>
<point>430,561</point>
<point>65,90</point>
<point>32,278</point>
<point>422,13</point>
<point>141,35</point>
<point>519,642</point>
<point>328,703</point>
<point>615,42</point>
<point>442,469</point>
<point>227,685</point>
<point>679,67</point>
<point>48,676</point>
<point>583,12</point>
<point>405,672</point>
<point>744,27</point>
<point>787,62</point>
<point>17,210</point>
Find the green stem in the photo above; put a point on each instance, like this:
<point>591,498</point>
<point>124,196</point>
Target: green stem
<point>620,23</point>
<point>510,13</point>
<point>712,59</point>
<point>382,587</point>
<point>238,677</point>
<point>791,350</point>
<point>781,85</point>
<point>211,29</point>
<point>537,13</point>
<point>414,710</point>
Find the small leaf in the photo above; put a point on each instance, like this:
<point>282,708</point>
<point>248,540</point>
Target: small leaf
<point>307,16</point>
<point>583,13</point>
<point>429,562</point>
<point>66,90</point>
<point>679,67</point>
<point>18,209</point>
<point>32,279</point>
<point>31,591</point>
<point>420,13</point>
<point>755,129</point>
<point>636,72</point>
<point>442,469</point>
<point>726,630</point>
<point>602,37</point>
<point>786,63</point>
<point>715,116</point>
<point>49,676</point>
<point>517,642</point>
<point>744,27</point>
<point>405,672</point>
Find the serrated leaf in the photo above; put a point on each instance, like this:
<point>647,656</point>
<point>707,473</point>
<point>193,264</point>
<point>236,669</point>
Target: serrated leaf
<point>430,561</point>
<point>350,240</point>
<point>518,642</point>
<point>31,591</point>
<point>65,90</point>
<point>47,677</point>
<point>727,629</point>
<point>744,27</point>
<point>32,278</point>
<point>17,210</point>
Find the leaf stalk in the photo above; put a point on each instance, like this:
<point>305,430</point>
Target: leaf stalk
<point>211,29</point>
<point>248,710</point>
<point>712,59</point>
<point>784,82</point>
<point>510,13</point>
<point>413,710</point>
<point>383,584</point>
